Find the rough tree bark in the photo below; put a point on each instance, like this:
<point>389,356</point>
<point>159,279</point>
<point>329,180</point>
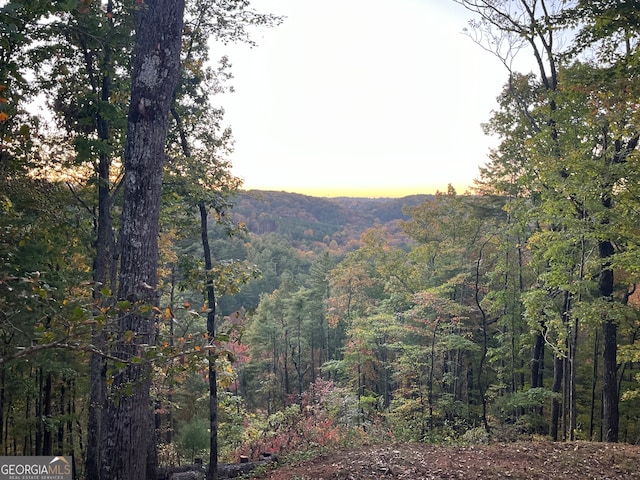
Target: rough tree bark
<point>156,69</point>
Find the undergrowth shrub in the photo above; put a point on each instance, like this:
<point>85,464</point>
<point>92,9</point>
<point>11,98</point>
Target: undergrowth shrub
<point>324,418</point>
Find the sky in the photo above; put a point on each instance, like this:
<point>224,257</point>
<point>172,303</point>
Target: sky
<point>376,98</point>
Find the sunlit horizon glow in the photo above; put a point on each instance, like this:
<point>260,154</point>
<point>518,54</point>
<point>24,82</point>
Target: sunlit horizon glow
<point>361,191</point>
<point>361,98</point>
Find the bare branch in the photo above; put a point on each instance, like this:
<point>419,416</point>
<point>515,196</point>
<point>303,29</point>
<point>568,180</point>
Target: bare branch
<point>80,201</point>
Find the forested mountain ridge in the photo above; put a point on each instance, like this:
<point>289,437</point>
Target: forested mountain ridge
<point>287,232</point>
<point>307,218</point>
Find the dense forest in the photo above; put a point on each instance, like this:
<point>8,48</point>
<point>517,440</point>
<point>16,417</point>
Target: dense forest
<point>152,312</point>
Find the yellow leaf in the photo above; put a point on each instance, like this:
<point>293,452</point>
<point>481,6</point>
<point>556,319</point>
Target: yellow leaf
<point>129,336</point>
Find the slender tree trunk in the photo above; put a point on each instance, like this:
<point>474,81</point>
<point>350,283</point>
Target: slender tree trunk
<point>274,371</point>
<point>558,407</point>
<point>558,364</point>
<point>97,395</point>
<point>156,69</point>
<point>609,382</point>
<point>169,436</point>
<point>28,448</point>
<point>300,372</point>
<point>432,374</point>
<point>610,420</point>
<point>62,424</point>
<point>485,344</point>
<point>71,434</point>
<point>385,372</point>
<point>537,364</point>
<point>3,379</point>
<point>39,407</point>
<point>285,359</point>
<point>71,412</point>
<point>594,384</point>
<point>47,432</point>
<point>565,397</point>
<point>212,473</point>
<point>104,269</point>
<point>610,396</point>
<point>573,353</point>
<point>537,360</point>
<point>313,358</point>
<point>571,381</point>
<point>610,349</point>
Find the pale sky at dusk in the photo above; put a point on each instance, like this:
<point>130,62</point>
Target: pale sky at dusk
<point>361,98</point>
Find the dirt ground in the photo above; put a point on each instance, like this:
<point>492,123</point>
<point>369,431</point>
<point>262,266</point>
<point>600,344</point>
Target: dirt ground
<point>533,460</point>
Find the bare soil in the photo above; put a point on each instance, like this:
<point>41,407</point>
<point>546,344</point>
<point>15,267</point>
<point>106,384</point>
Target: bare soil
<point>521,460</point>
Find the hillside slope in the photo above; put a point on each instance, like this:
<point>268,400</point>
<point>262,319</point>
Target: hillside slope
<point>520,460</point>
<point>306,218</point>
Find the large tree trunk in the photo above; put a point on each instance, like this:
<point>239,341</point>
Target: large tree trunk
<point>156,69</point>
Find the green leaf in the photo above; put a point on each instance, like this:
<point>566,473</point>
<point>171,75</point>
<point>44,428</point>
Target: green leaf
<point>69,5</point>
<point>124,305</point>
